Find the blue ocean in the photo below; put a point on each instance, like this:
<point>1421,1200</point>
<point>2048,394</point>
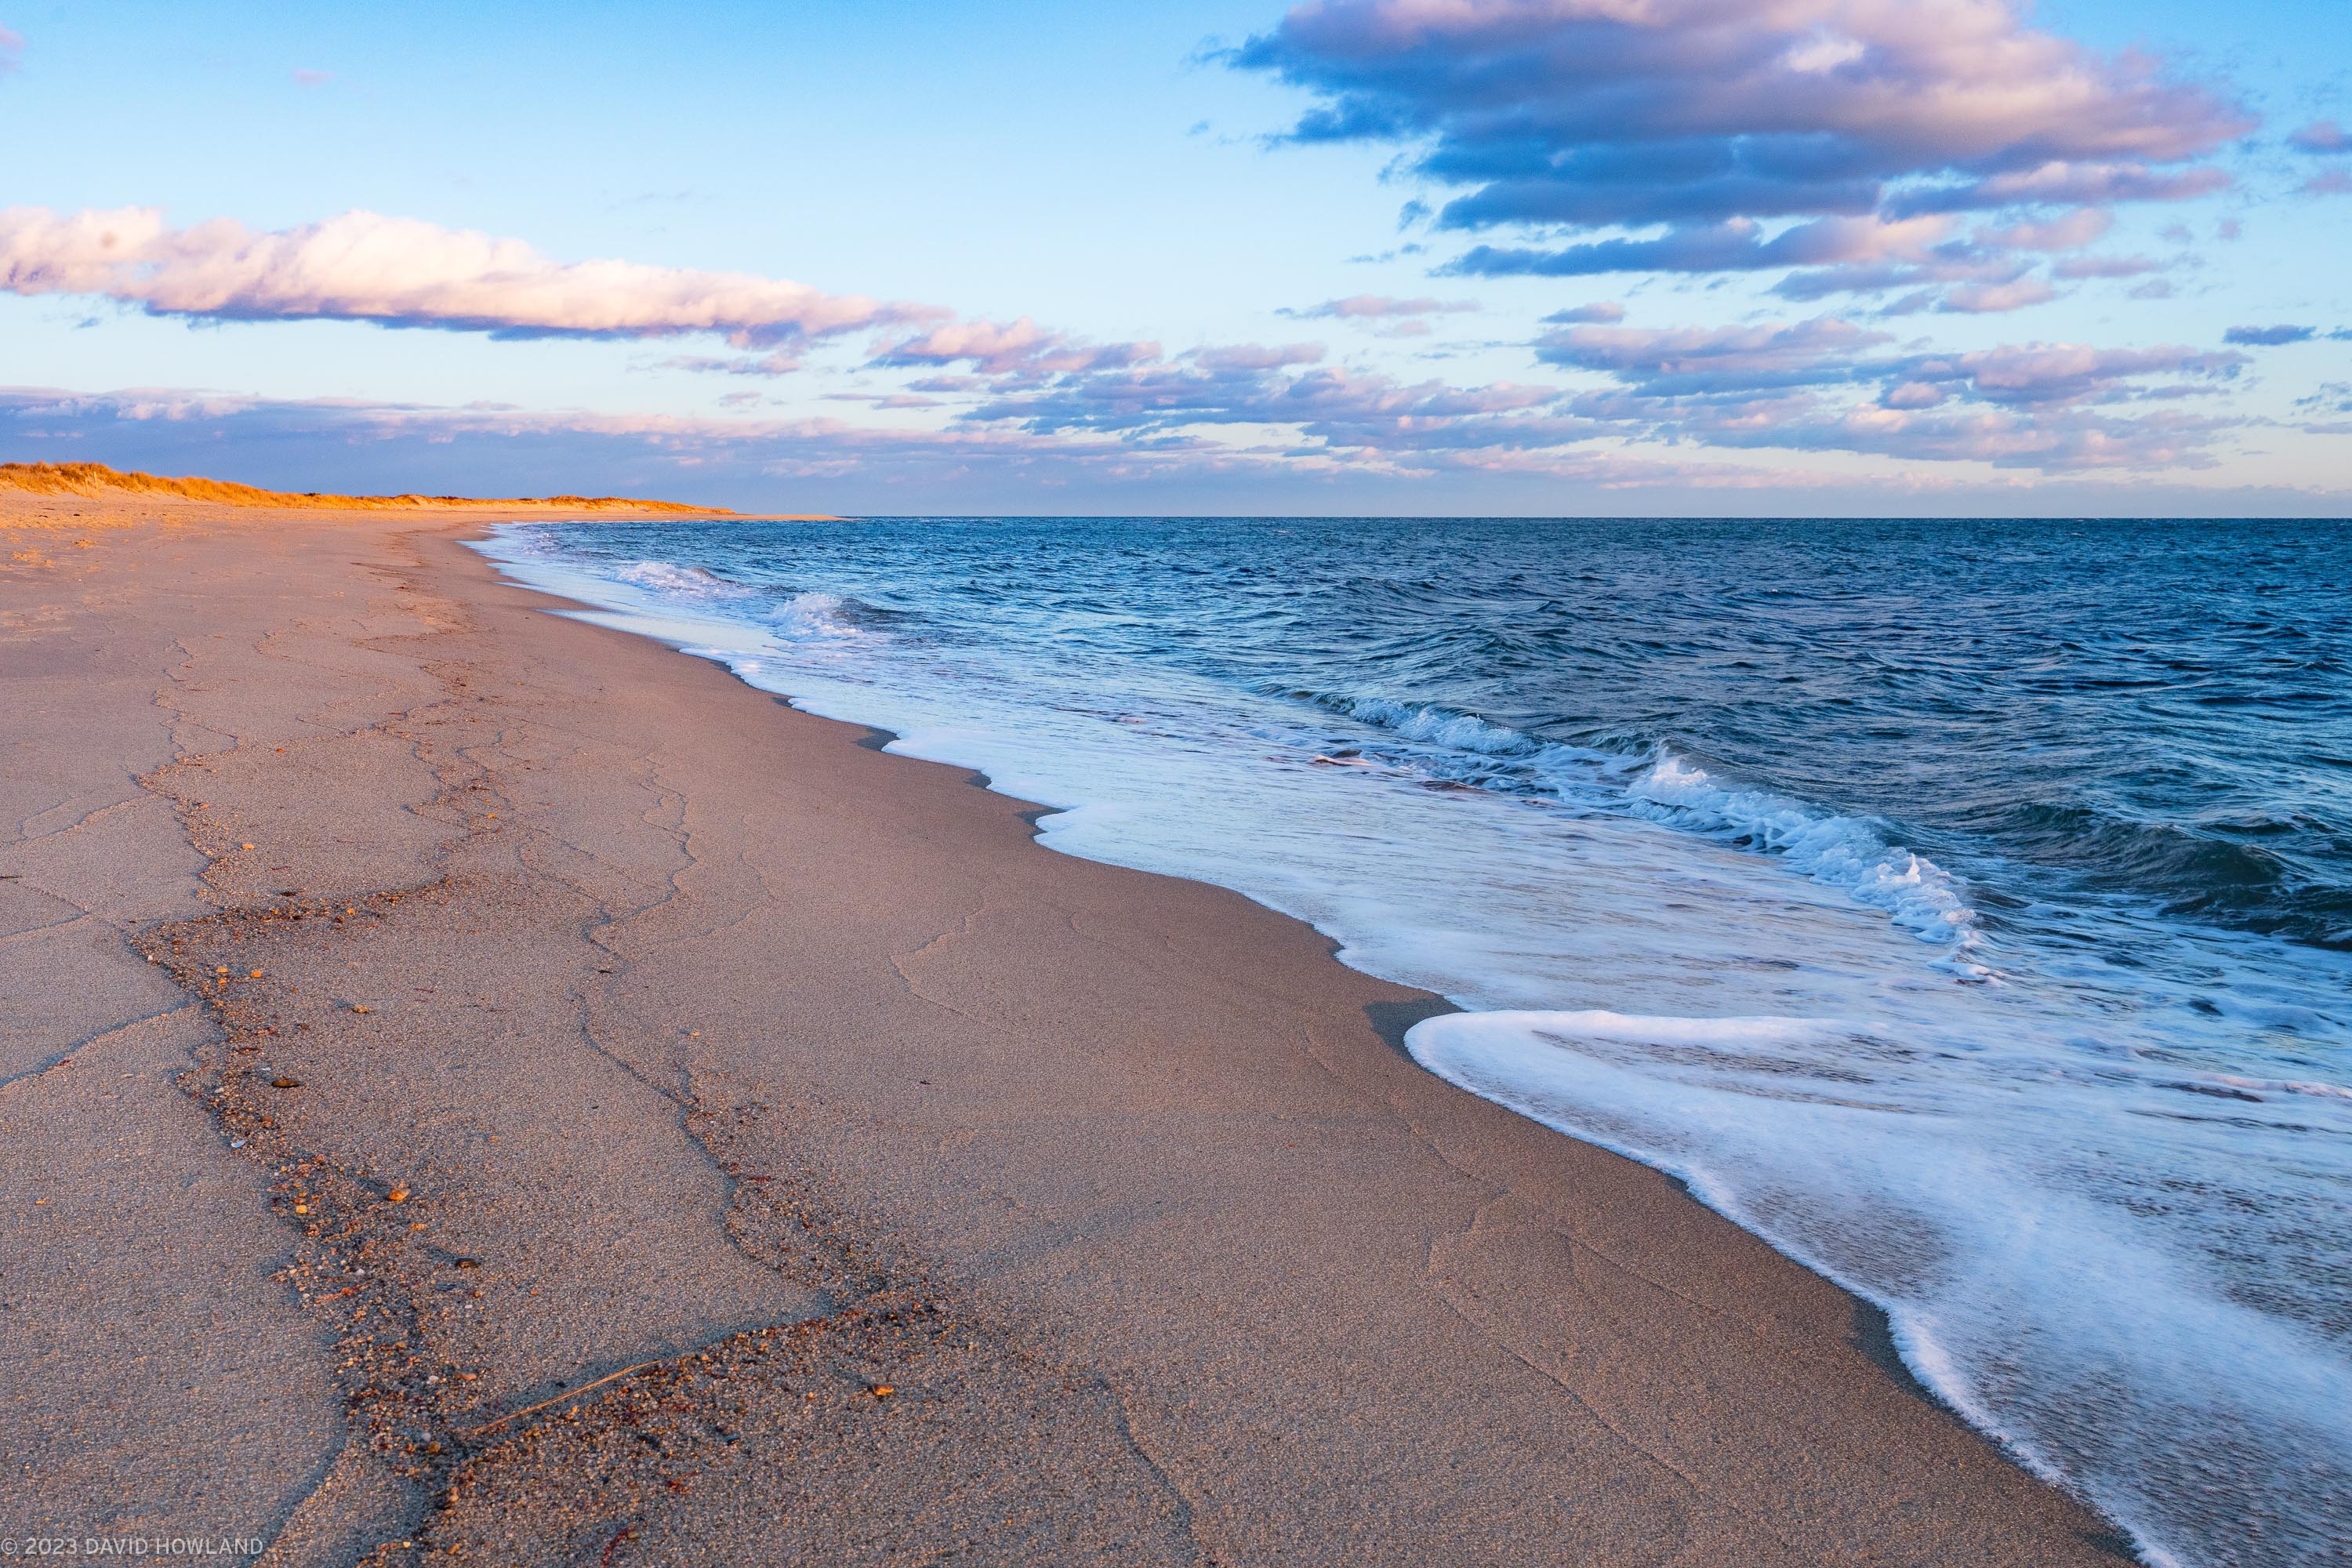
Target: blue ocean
<point>1963,907</point>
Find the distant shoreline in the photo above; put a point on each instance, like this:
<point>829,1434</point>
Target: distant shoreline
<point>95,480</point>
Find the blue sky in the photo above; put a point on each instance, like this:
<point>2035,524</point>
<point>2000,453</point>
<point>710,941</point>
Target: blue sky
<point>1118,178</point>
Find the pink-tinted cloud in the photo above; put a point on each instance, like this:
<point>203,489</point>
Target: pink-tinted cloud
<point>1279,386</point>
<point>2047,375</point>
<point>1824,386</point>
<point>2005,439</point>
<point>2320,136</point>
<point>2063,182</point>
<point>1987,299</point>
<point>362,446</point>
<point>1378,307</point>
<point>306,78</point>
<point>11,50</point>
<point>401,272</point>
<point>1018,348</point>
<point>2074,267</point>
<point>1705,115</point>
<point>1714,359</point>
<point>1600,312</point>
<point>776,362</point>
<point>2070,232</point>
<point>1947,265</point>
<point>1827,385</point>
<point>1990,272</point>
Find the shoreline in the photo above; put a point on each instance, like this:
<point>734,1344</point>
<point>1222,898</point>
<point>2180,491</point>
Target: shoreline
<point>1247,1353</point>
<point>1878,1328</point>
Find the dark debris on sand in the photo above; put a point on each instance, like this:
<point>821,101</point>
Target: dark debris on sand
<point>899,1425</point>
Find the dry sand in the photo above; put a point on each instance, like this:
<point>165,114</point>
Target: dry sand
<point>610,1015</point>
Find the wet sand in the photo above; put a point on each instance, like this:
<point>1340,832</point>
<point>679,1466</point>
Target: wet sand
<point>422,1007</point>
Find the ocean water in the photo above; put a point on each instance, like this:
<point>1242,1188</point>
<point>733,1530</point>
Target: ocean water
<point>1965,908</point>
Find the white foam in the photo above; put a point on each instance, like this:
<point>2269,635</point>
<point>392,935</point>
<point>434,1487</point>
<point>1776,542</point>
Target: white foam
<point>685,582</point>
<point>814,616</point>
<point>1435,723</point>
<point>2092,1347</point>
<point>1839,851</point>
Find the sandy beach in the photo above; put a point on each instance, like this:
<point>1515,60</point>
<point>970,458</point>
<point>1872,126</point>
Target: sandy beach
<point>478,1085</point>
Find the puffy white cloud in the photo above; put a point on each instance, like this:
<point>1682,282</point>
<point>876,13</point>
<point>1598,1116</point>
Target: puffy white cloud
<point>402,272</point>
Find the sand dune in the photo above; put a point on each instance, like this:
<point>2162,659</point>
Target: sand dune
<point>97,479</point>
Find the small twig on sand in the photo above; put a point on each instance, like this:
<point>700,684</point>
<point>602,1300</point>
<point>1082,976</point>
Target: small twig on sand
<point>571,1393</point>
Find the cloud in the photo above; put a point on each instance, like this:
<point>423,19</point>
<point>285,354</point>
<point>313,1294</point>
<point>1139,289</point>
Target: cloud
<point>750,461</point>
<point>2061,183</point>
<point>1279,386</point>
<point>1273,414</point>
<point>313,78</point>
<point>2042,375</point>
<point>1402,317</point>
<point>2072,232</point>
<point>2078,267</point>
<point>402,272</point>
<point>1985,298</point>
<point>1877,278</point>
<point>1696,359</point>
<point>1383,315</point>
<point>1828,384</point>
<point>1018,348</point>
<point>779,362</point>
<point>2003,439</point>
<point>1821,385</point>
<point>1710,117</point>
<point>882,399</point>
<point>1602,312</point>
<point>2333,397</point>
<point>1735,245</point>
<point>11,50</point>
<point>1992,271</point>
<point>2320,136</point>
<point>2330,183</point>
<point>2269,337</point>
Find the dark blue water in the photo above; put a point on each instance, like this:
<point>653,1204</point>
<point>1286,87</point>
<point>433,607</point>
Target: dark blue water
<point>1963,905</point>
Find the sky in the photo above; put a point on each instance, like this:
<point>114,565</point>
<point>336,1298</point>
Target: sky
<point>1398,256</point>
